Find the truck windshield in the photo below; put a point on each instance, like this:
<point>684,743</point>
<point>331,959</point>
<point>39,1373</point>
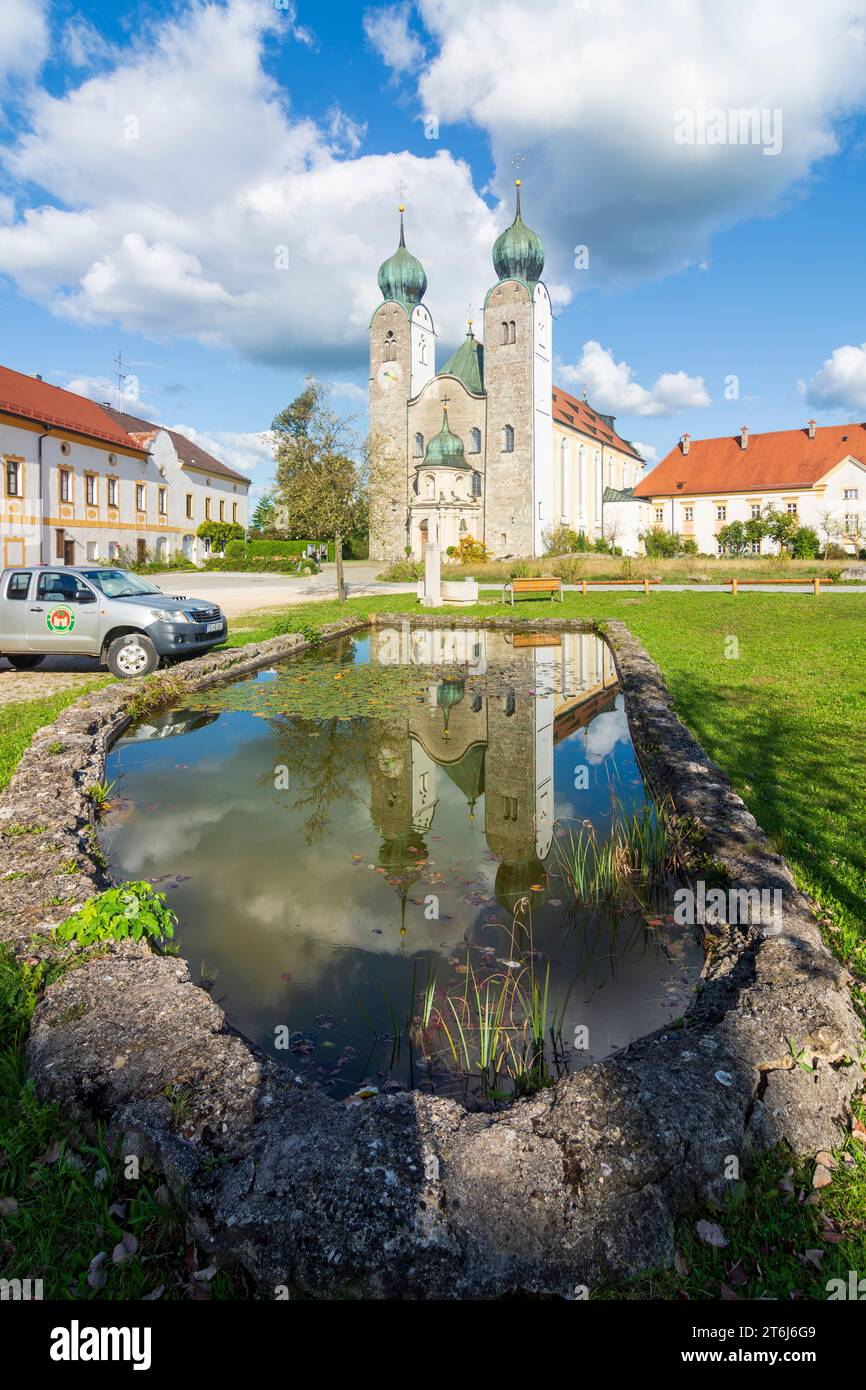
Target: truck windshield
<point>118,584</point>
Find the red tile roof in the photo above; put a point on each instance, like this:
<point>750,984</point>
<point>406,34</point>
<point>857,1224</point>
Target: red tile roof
<point>578,415</point>
<point>35,400</point>
<point>780,459</point>
<point>189,453</point>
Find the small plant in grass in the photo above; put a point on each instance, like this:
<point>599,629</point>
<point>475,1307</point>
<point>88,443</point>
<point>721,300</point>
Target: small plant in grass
<point>132,912</point>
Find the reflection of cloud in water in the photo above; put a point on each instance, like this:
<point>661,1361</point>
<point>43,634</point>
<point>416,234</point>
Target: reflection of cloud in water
<point>606,731</point>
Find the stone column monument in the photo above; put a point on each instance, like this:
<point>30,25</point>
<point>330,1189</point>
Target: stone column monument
<point>432,576</point>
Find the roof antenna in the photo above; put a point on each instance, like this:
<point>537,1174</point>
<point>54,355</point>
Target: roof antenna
<point>121,375</point>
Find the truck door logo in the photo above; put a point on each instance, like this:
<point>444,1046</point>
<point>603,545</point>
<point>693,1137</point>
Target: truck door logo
<point>60,618</point>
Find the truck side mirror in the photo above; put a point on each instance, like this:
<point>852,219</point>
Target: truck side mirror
<point>85,596</point>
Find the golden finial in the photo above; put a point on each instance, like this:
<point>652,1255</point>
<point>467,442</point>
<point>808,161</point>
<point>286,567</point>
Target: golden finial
<point>402,207</point>
<point>518,182</point>
<point>470,322</point>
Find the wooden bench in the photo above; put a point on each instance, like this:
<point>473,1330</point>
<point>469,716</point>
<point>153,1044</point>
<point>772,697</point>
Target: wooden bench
<point>816,583</point>
<point>541,584</point>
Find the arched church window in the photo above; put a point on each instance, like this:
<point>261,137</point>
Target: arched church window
<point>476,484</point>
<point>462,526</point>
<point>504,331</point>
<point>475,441</point>
<point>419,445</point>
<point>390,353</point>
<point>430,486</point>
<point>422,351</point>
<point>512,332</point>
<point>508,439</point>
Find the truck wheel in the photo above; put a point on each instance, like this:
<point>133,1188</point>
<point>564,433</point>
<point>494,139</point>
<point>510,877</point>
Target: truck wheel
<point>132,655</point>
<point>24,662</point>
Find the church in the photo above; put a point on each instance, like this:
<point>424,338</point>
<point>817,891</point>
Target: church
<point>486,446</point>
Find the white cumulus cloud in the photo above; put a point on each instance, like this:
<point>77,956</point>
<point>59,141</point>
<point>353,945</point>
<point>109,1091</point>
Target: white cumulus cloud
<point>611,388</point>
<point>589,95</point>
<point>389,33</point>
<point>187,200</point>
<point>840,383</point>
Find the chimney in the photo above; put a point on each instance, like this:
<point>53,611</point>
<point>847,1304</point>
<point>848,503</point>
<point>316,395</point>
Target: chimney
<point>811,424</point>
<point>684,443</point>
<point>744,437</point>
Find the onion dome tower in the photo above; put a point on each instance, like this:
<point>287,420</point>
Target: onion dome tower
<point>402,276</point>
<point>445,450</point>
<point>518,253</point>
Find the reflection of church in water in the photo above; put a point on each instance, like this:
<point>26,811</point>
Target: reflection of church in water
<point>491,734</point>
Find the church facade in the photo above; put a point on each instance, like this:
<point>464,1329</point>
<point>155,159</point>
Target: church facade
<point>485,446</point>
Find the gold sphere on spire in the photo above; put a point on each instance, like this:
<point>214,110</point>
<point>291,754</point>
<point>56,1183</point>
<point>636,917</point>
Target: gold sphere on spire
<point>402,207</point>
<point>518,182</point>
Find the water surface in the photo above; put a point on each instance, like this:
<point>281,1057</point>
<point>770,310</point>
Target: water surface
<point>378,819</point>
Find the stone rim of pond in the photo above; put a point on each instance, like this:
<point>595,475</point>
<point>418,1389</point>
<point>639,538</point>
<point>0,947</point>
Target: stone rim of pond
<point>406,1194</point>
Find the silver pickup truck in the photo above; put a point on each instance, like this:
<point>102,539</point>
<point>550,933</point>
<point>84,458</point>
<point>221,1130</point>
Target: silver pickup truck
<point>94,610</point>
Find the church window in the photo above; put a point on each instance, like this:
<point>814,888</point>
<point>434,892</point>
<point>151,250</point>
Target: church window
<point>508,439</point>
<point>422,351</point>
<point>476,484</point>
<point>504,331</point>
<point>475,441</point>
<point>390,353</point>
<point>462,526</point>
<point>430,486</point>
<point>512,332</point>
<point>580,478</point>
<point>419,445</point>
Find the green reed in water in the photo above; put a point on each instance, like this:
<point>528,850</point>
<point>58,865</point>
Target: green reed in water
<point>644,847</point>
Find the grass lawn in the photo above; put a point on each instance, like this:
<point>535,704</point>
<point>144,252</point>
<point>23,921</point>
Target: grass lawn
<point>774,687</point>
<point>19,722</point>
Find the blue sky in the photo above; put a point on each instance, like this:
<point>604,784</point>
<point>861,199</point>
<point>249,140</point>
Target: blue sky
<point>158,161</point>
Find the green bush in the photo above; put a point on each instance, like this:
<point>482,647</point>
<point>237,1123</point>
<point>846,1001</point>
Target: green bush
<point>128,913</point>
<point>563,540</point>
<point>661,544</point>
<point>402,571</point>
<point>219,533</point>
<point>805,544</point>
<point>261,564</point>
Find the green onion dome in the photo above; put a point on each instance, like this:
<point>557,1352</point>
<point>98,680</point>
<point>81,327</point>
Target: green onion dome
<point>445,450</point>
<point>518,254</point>
<point>402,276</point>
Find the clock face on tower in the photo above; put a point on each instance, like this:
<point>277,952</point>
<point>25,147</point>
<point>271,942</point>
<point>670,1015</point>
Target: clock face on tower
<point>389,374</point>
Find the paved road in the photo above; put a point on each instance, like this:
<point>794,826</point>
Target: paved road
<point>238,593</point>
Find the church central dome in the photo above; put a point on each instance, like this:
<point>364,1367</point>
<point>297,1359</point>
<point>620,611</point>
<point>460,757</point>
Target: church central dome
<point>402,276</point>
<point>445,449</point>
<point>518,254</point>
